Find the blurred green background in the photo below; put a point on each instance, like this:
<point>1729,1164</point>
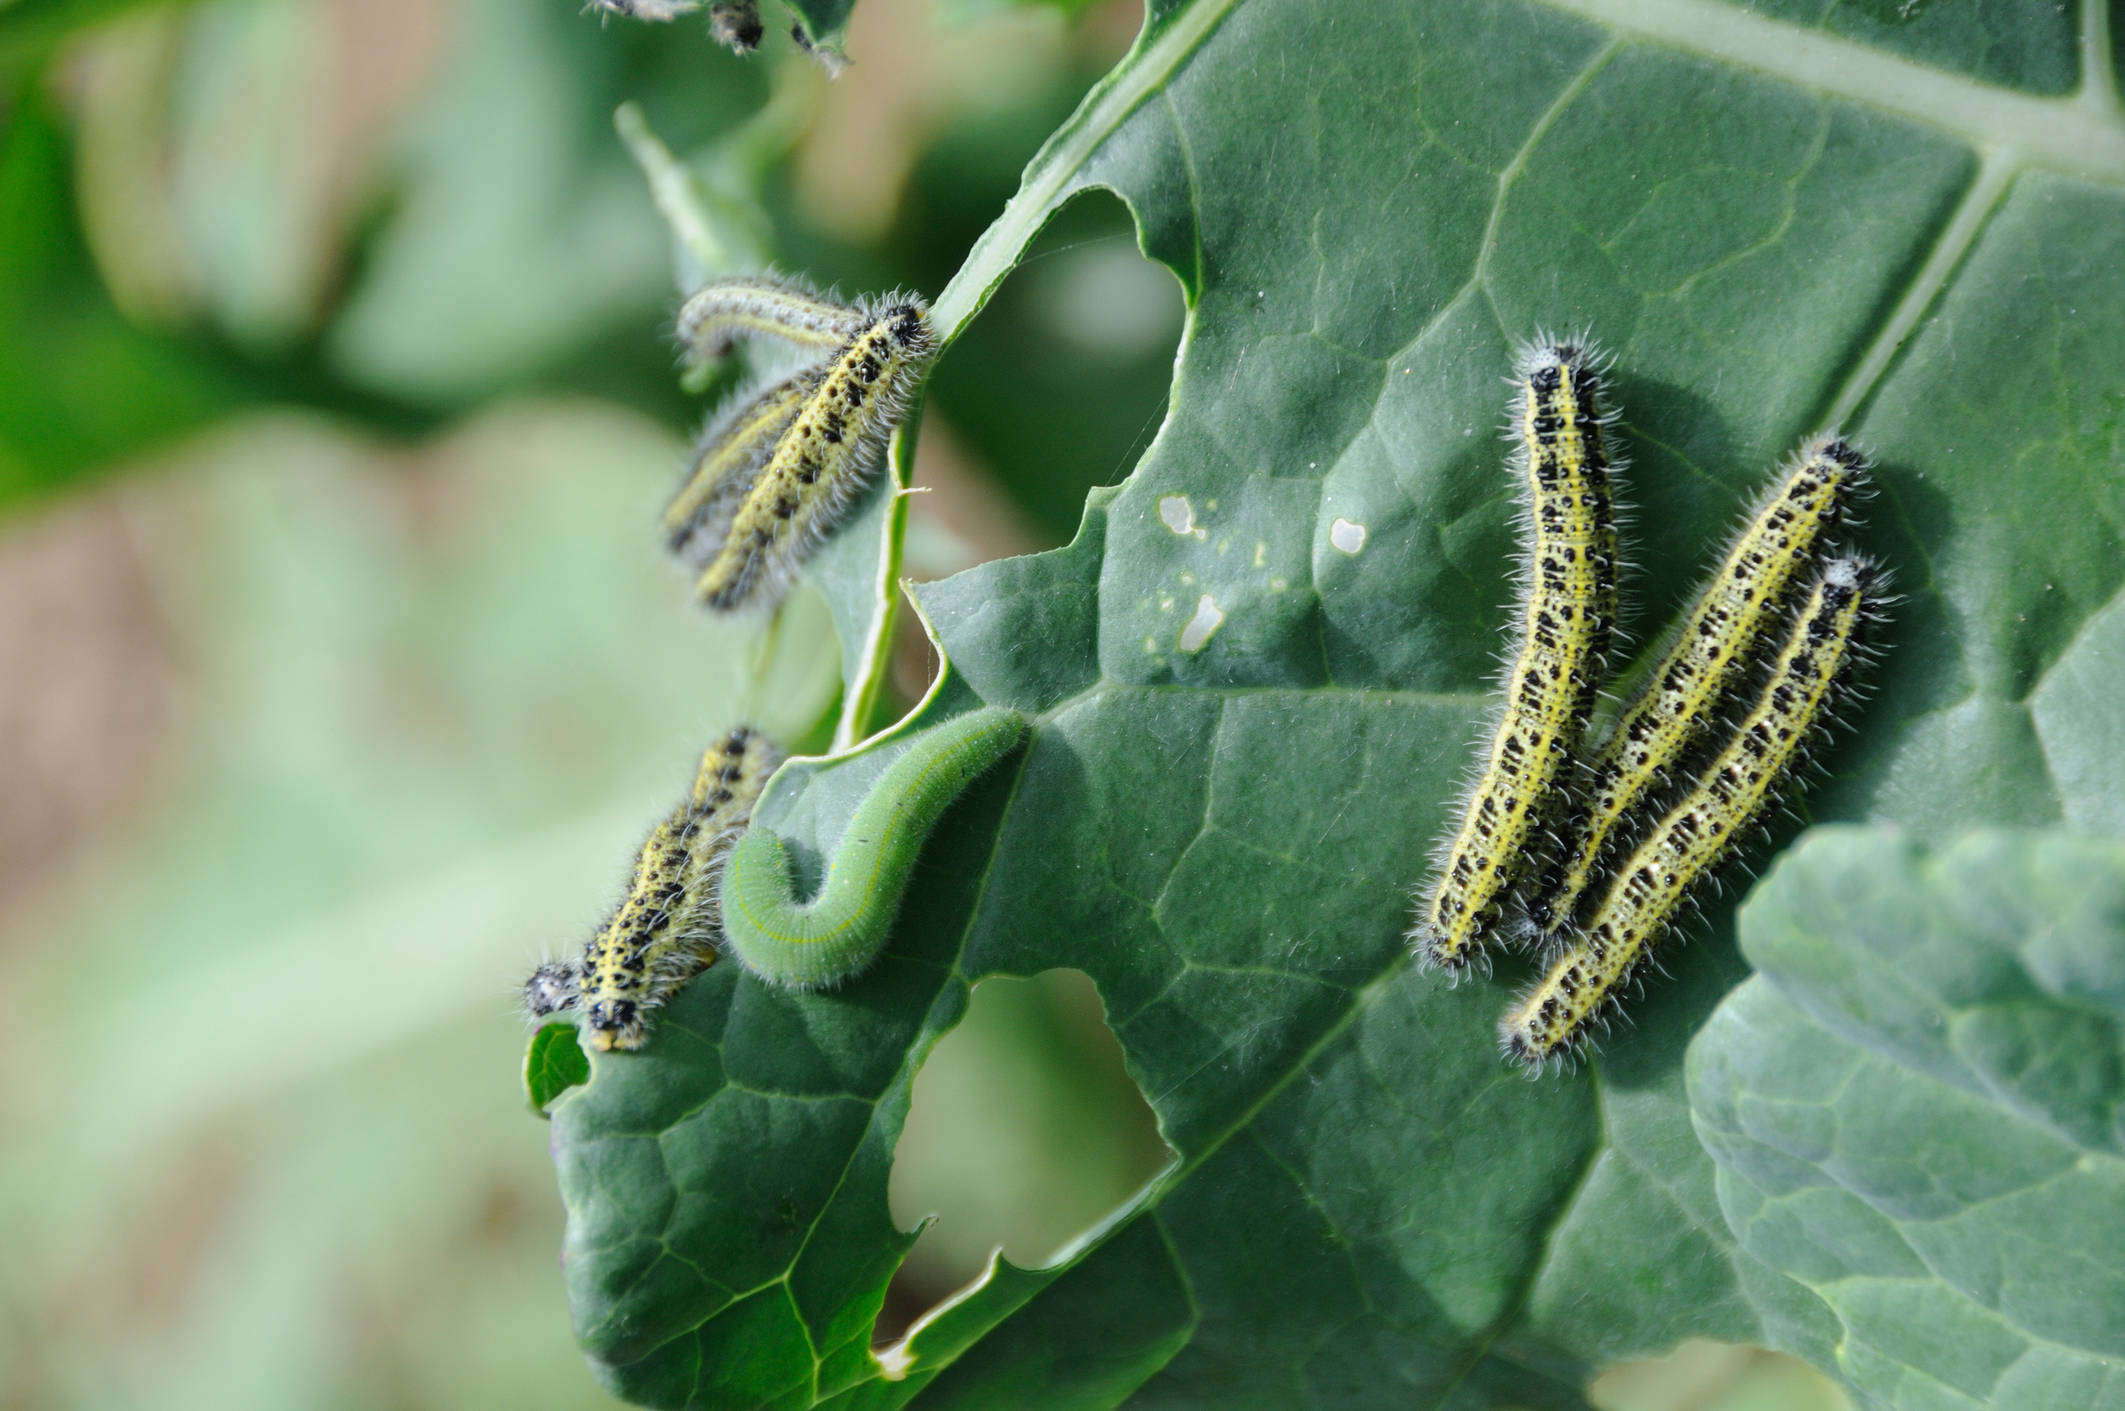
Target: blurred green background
<point>339,674</point>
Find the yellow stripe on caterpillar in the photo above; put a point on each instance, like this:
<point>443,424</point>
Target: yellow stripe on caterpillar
<point>1643,899</point>
<point>1568,622</point>
<point>824,461</point>
<point>1681,701</point>
<point>665,929</point>
<point>718,314</point>
<point>733,448</point>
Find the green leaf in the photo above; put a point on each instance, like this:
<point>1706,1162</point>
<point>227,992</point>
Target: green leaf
<point>1916,1111</point>
<point>83,385</point>
<point>1775,227</point>
<point>553,1063</point>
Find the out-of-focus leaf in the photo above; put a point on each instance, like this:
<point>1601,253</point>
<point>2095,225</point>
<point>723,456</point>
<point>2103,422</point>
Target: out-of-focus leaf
<point>1062,381</point>
<point>522,231</point>
<point>431,695</point>
<point>1367,206</point>
<point>260,140</point>
<point>79,385</point>
<point>1023,1130</point>
<point>1917,1107</point>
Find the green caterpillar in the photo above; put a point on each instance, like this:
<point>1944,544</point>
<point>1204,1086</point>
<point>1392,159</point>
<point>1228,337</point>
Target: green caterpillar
<point>819,943</point>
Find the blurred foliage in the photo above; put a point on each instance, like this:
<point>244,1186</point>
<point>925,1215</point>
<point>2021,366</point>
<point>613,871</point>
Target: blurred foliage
<point>427,702</point>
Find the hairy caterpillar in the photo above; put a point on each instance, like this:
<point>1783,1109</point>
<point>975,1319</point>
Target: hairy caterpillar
<point>1568,621</point>
<point>1552,1020</point>
<point>737,443</point>
<point>719,313</point>
<point>832,62</point>
<point>776,477</point>
<point>736,24</point>
<point>659,11</point>
<point>1683,694</point>
<point>807,945</point>
<point>666,928</point>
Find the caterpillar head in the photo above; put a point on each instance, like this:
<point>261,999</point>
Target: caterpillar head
<point>553,988</point>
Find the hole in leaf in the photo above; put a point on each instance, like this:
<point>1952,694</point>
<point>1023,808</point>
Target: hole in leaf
<point>1715,1376</point>
<point>1024,1131</point>
<point>1058,387</point>
<point>1061,383</point>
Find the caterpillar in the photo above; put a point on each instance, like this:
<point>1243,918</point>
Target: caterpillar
<point>1763,563</point>
<point>665,929</point>
<point>828,59</point>
<point>1568,623</point>
<point>778,475</point>
<point>1551,1021</point>
<point>658,11</point>
<point>736,24</point>
<point>737,443</point>
<point>719,313</point>
<point>810,945</point>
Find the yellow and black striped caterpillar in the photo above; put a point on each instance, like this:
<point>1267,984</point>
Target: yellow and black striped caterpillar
<point>1568,622</point>
<point>782,467</point>
<point>1648,893</point>
<point>667,926</point>
<point>1686,691</point>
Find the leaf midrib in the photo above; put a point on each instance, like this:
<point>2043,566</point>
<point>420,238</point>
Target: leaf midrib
<point>2081,135</point>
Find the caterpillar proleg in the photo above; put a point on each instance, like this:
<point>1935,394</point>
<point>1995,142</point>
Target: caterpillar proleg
<point>1687,845</point>
<point>1568,621</point>
<point>665,929</point>
<point>1766,559</point>
<point>808,945</point>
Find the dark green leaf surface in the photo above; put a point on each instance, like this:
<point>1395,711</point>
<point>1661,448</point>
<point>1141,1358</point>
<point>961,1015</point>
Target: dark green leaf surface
<point>1368,206</point>
<point>1916,1111</point>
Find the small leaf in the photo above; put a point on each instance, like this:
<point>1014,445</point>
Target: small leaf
<point>553,1063</point>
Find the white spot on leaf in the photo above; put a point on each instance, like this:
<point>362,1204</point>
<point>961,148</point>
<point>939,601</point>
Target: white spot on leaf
<point>1178,515</point>
<point>1207,620</point>
<point>1347,535</point>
